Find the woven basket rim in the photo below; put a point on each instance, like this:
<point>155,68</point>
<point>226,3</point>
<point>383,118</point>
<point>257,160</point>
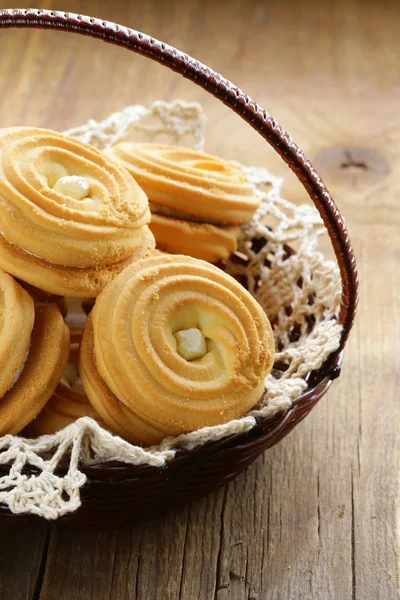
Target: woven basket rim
<point>299,408</point>
<point>301,405</point>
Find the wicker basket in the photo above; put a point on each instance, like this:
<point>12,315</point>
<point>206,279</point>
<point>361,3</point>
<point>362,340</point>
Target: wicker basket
<point>117,493</point>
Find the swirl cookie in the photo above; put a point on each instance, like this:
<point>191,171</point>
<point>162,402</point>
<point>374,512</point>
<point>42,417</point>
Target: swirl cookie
<point>70,219</point>
<point>34,343</point>
<point>68,402</point>
<point>174,344</point>
<point>197,200</point>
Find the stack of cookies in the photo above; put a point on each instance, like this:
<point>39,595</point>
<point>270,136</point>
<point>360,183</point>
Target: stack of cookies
<point>172,343</point>
<point>197,201</point>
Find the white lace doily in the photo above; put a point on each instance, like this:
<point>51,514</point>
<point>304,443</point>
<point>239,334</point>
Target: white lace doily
<point>300,293</point>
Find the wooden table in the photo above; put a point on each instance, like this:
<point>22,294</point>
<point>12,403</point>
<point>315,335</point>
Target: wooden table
<point>315,517</point>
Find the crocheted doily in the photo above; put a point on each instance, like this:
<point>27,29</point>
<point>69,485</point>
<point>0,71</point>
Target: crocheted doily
<point>300,293</point>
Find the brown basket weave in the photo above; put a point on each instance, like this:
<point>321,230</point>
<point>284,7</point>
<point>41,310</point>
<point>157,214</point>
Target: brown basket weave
<point>118,493</point>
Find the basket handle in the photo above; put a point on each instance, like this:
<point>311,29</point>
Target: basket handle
<point>241,104</point>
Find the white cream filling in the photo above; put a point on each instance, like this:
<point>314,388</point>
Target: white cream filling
<point>191,343</point>
<point>158,209</point>
<point>74,186</point>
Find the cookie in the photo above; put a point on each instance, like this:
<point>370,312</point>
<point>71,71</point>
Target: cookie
<point>200,194</point>
<point>68,403</point>
<point>70,218</point>
<point>69,281</point>
<point>34,344</point>
<point>174,344</point>
<point>200,240</point>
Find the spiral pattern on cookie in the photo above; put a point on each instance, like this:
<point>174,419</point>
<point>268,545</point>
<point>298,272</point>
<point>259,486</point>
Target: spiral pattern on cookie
<point>189,181</point>
<point>180,344</point>
<point>65,202</point>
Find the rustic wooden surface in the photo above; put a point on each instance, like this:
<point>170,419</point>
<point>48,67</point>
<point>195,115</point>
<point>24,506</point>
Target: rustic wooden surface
<point>315,517</point>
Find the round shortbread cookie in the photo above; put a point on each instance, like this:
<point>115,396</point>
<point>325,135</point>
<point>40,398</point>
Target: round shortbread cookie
<point>174,344</point>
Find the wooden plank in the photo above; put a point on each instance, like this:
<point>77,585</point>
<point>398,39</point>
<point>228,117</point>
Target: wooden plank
<point>135,563</point>
<point>23,555</point>
<point>79,564</point>
<point>316,516</point>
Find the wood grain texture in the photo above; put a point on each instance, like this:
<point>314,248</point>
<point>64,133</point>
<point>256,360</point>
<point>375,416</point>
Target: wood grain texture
<point>315,517</point>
